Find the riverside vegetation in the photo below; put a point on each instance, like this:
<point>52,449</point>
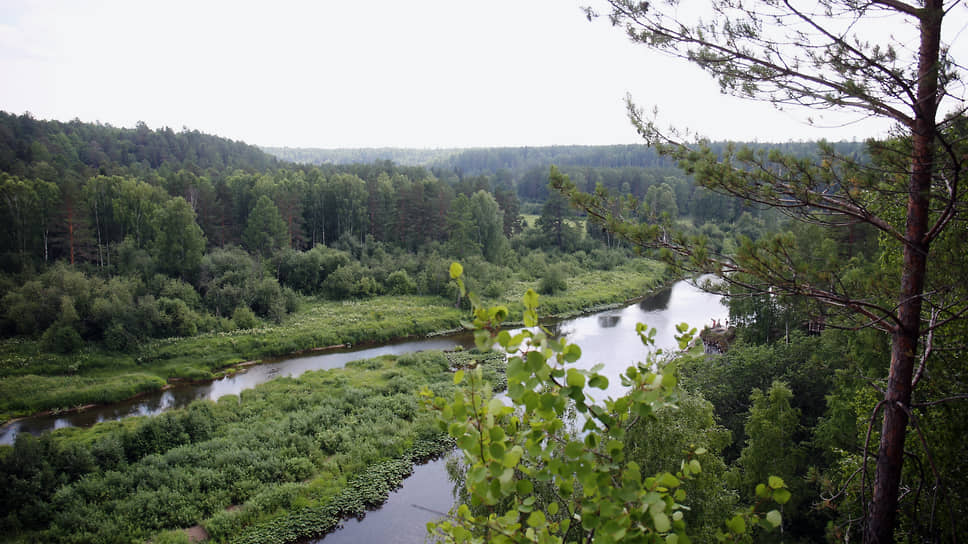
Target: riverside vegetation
<point>133,257</point>
<point>98,304</point>
<point>284,461</point>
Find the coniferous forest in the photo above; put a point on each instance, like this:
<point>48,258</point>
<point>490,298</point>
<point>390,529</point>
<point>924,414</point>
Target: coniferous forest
<point>829,407</point>
<point>137,257</point>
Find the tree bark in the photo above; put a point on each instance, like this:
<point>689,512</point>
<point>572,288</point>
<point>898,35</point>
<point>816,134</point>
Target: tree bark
<point>904,341</point>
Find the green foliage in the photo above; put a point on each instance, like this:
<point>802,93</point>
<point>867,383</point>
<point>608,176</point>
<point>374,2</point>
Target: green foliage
<point>294,455</point>
<point>596,488</point>
<point>179,242</point>
<point>771,450</point>
<point>399,283</point>
<point>61,338</point>
<point>265,231</point>
<point>553,281</point>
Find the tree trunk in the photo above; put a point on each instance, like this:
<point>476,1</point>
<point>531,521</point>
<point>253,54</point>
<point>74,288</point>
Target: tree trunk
<point>904,341</point>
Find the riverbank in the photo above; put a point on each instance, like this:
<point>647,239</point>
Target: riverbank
<point>288,459</point>
<point>33,381</point>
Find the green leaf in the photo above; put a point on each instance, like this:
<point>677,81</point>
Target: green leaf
<point>530,299</point>
<point>498,313</point>
<point>553,508</point>
<point>456,270</point>
<point>575,378</point>
<point>762,492</point>
<point>736,525</point>
<point>776,482</point>
<point>661,521</point>
<point>781,496</point>
<point>537,519</point>
<point>458,377</point>
<point>535,361</point>
<point>530,318</point>
<point>512,456</point>
<point>774,518</point>
<point>668,480</point>
<point>506,477</point>
<point>574,449</point>
<point>572,353</point>
<point>598,381</point>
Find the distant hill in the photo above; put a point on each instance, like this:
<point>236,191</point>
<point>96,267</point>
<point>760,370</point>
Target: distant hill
<point>54,149</point>
<point>474,161</point>
<point>366,155</point>
<point>516,160</point>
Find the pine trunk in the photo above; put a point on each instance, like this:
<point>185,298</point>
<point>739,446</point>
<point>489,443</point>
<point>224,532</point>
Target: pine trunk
<point>904,342</point>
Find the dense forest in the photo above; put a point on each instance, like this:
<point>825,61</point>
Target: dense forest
<point>131,257</point>
<point>115,235</point>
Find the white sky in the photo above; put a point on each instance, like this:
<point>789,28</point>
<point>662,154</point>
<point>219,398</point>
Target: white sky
<point>418,73</point>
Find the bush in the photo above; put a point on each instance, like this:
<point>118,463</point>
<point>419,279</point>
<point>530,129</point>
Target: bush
<point>117,338</point>
<point>268,300</point>
<point>244,318</point>
<point>61,339</point>
<point>553,281</point>
<point>177,319</point>
<point>399,283</point>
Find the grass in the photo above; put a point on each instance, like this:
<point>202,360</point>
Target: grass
<point>32,381</point>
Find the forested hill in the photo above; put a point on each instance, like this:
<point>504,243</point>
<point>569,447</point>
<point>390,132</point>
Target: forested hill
<point>476,161</point>
<point>55,150</point>
<point>516,160</point>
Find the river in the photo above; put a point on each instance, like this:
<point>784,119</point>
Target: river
<point>606,337</point>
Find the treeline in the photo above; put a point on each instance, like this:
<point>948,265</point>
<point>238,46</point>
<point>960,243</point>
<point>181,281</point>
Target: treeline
<point>515,160</point>
<point>171,234</point>
<point>54,150</point>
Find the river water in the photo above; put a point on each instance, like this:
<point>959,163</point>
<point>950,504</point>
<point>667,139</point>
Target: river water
<point>182,395</point>
<point>606,337</point>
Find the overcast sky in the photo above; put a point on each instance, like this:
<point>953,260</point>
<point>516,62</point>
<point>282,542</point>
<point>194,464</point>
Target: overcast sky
<point>418,73</point>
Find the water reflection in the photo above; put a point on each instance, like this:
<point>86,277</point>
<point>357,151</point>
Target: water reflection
<point>608,338</point>
<point>425,496</point>
<point>183,395</point>
<point>657,301</point>
<point>608,321</point>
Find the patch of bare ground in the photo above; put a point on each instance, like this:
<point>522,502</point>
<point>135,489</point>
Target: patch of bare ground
<point>196,533</point>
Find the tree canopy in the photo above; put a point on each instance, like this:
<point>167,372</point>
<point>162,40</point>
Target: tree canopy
<point>831,55</point>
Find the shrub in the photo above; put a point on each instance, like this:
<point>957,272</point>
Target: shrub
<point>244,318</point>
<point>399,283</point>
<point>553,281</point>
<point>61,339</point>
<point>268,300</point>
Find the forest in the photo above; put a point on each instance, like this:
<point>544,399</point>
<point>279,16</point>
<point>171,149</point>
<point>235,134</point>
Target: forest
<point>134,258</point>
<point>830,407</point>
